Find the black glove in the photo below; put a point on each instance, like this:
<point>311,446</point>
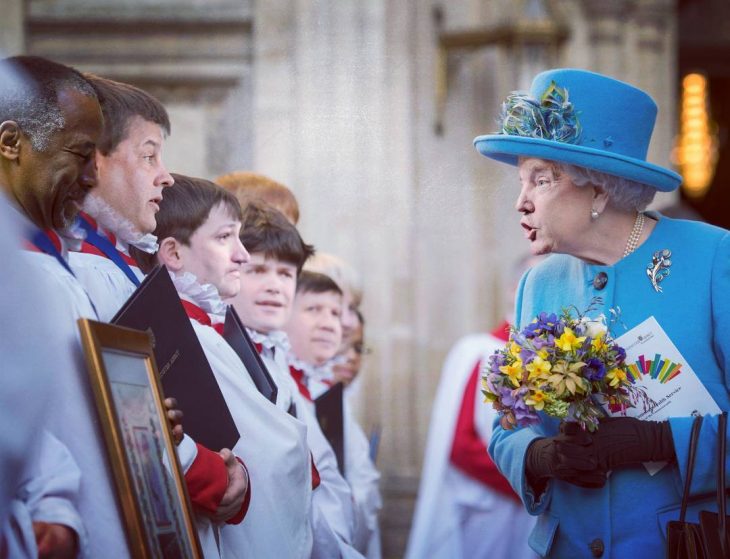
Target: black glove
<point>570,456</point>
<point>621,441</point>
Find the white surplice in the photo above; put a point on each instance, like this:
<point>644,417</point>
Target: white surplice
<point>272,445</point>
<point>360,472</point>
<point>332,515</point>
<point>73,418</point>
<point>456,516</point>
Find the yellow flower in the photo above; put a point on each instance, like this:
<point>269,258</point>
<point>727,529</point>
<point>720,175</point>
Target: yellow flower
<point>538,368</point>
<point>514,349</point>
<point>536,399</point>
<point>569,341</point>
<point>616,377</point>
<point>599,342</point>
<point>543,354</point>
<point>513,371</point>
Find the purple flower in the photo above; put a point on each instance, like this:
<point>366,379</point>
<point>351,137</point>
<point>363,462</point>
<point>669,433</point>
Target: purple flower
<point>544,323</point>
<point>594,369</point>
<point>547,341</point>
<point>496,360</point>
<point>524,414</point>
<point>620,353</point>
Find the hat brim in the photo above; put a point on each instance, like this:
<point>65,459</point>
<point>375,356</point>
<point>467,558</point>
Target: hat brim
<point>508,149</point>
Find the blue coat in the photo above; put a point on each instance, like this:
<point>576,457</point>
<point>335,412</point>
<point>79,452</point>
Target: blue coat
<point>628,515</point>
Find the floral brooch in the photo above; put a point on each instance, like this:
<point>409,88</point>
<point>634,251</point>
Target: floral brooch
<point>658,269</point>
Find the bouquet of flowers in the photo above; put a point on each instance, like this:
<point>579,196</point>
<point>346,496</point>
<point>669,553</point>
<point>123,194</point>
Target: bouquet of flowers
<point>559,365</point>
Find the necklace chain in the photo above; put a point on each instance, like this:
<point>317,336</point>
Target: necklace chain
<point>633,242</point>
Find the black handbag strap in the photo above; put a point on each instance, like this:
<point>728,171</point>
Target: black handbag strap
<point>721,448</point>
<point>693,440</point>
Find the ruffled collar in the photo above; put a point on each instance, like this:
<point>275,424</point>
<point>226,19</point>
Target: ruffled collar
<point>206,296</point>
<point>312,372</point>
<point>276,339</point>
<point>125,232</point>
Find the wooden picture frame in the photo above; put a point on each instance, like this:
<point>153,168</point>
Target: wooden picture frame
<point>150,485</point>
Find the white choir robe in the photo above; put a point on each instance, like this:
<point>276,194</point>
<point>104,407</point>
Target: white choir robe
<point>362,477</point>
<point>105,283</point>
<point>73,418</point>
<point>27,360</point>
<point>332,513</point>
<point>109,288</point>
<point>333,518</point>
<point>273,445</point>
<point>47,493</point>
<point>456,516</point>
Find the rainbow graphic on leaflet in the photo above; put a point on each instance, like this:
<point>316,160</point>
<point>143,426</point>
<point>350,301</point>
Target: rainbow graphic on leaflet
<point>659,368</point>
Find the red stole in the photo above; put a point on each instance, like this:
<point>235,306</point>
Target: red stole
<point>298,376</point>
<point>468,452</point>
<point>196,313</point>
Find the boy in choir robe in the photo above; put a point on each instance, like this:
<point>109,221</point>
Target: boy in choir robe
<point>198,227</point>
<point>315,333</point>
<point>251,187</point>
<point>264,304</point>
<point>360,470</point>
<point>119,213</point>
<point>49,125</point>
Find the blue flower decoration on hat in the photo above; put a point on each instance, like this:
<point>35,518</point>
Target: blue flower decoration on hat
<point>552,117</point>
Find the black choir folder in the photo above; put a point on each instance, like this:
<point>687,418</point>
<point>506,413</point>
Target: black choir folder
<point>329,410</point>
<point>184,370</point>
<point>235,334</point>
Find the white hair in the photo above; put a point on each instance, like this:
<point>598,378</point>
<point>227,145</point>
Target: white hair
<point>29,88</point>
<point>338,270</point>
<point>623,194</point>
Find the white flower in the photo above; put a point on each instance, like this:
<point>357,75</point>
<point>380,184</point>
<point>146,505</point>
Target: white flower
<point>594,326</point>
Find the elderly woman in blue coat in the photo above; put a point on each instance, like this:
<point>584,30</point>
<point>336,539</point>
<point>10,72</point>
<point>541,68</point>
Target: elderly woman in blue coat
<point>580,140</point>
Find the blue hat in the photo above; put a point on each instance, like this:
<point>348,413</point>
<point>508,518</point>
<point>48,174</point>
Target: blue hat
<point>581,118</point>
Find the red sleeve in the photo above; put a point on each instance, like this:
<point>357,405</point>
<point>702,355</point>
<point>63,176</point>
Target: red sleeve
<point>469,453</point>
<point>315,473</point>
<point>241,514</point>
<point>207,479</point>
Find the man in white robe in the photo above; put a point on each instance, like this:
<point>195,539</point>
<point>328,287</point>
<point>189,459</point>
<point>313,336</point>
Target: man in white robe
<point>39,480</point>
<point>49,126</point>
<point>118,214</point>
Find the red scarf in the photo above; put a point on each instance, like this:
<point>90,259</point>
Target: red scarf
<point>196,313</point>
<point>298,376</point>
<point>501,332</point>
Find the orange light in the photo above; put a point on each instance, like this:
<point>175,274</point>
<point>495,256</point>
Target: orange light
<point>696,149</point>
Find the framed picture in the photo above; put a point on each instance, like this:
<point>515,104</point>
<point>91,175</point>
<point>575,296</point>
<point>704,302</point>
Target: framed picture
<point>151,489</point>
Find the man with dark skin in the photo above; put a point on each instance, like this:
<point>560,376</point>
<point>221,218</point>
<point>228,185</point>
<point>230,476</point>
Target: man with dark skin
<point>50,122</point>
<point>45,172</point>
<point>48,184</point>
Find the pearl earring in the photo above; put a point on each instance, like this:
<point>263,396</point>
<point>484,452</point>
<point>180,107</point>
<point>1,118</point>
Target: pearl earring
<point>594,213</point>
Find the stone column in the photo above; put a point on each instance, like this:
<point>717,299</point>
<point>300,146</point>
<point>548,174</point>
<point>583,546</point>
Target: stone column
<point>12,33</point>
<point>607,34</point>
<point>655,71</point>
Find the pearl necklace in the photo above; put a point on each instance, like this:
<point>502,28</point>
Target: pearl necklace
<point>633,241</point>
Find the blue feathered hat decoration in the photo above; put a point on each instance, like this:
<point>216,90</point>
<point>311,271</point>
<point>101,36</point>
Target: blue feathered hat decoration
<point>552,116</point>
